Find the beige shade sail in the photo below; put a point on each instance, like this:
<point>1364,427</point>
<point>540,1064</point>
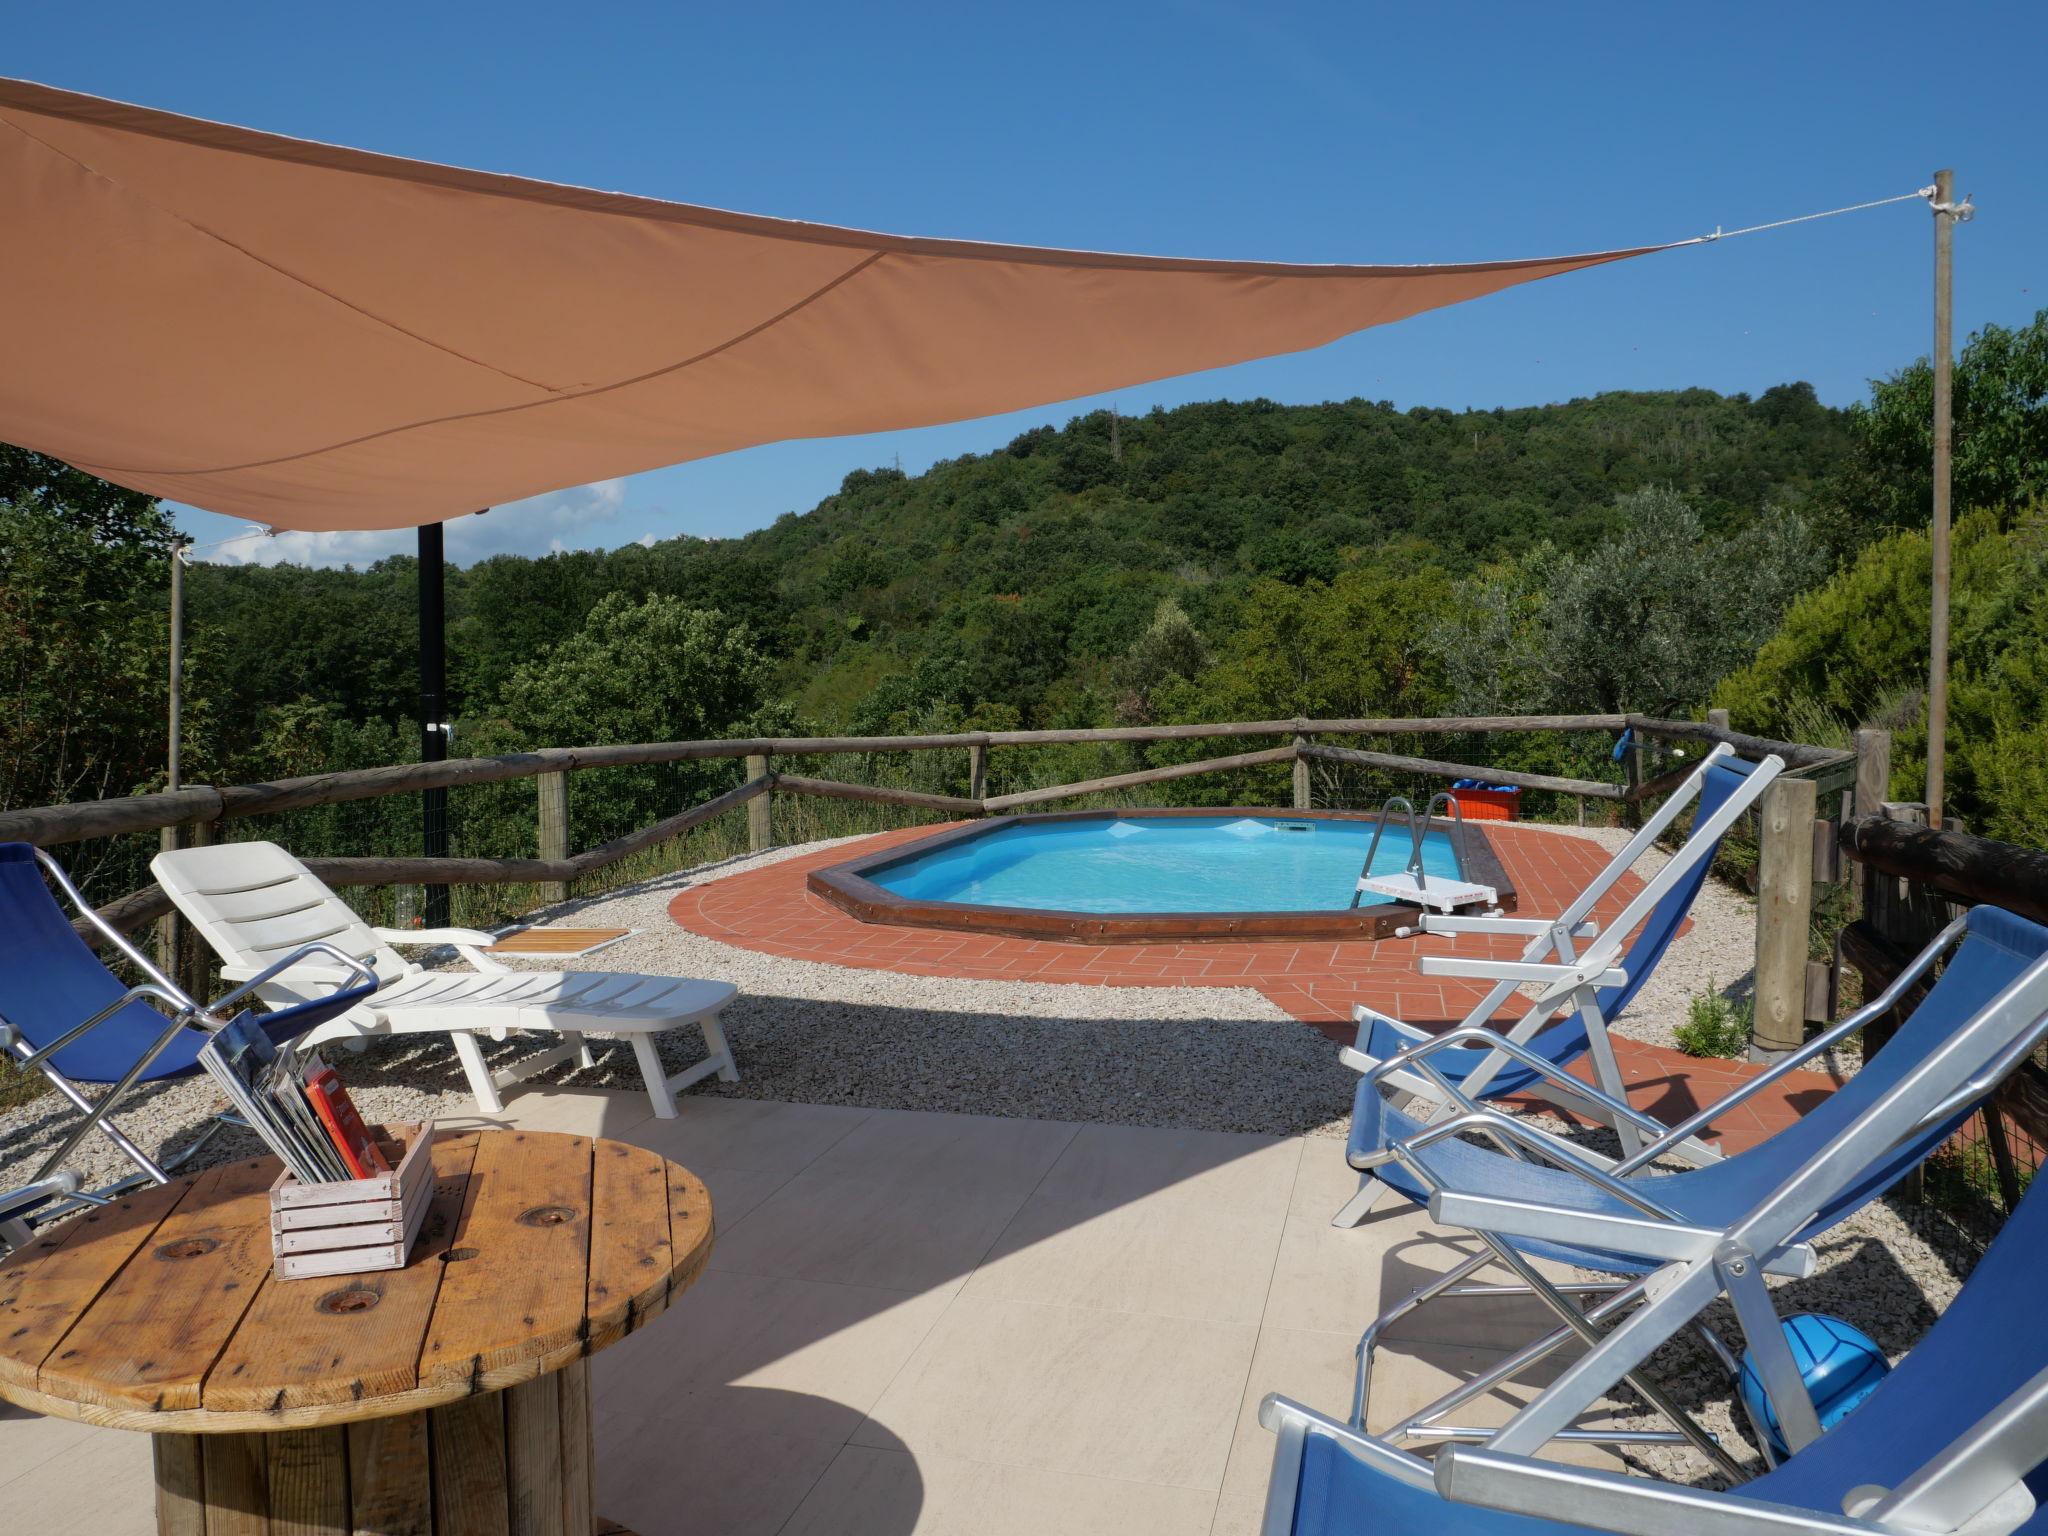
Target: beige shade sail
<point>321,338</point>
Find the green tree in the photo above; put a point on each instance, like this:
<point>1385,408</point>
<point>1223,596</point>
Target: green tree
<point>653,670</point>
<point>2000,427</point>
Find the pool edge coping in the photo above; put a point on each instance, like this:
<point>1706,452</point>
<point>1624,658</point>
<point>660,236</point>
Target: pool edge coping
<point>846,886</point>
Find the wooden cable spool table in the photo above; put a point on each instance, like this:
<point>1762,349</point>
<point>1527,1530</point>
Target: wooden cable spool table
<point>448,1398</point>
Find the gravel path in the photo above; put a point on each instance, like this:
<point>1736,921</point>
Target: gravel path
<point>1195,1057</point>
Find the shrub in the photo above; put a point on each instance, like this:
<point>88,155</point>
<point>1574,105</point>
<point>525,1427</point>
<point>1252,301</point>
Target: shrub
<point>1715,1024</point>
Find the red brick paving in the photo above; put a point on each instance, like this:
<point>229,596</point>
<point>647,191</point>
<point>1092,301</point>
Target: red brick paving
<point>770,910</point>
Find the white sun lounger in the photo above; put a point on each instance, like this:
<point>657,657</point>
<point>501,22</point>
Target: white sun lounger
<point>255,903</point>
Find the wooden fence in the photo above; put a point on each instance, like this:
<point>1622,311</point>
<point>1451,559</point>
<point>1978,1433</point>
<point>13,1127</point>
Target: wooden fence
<point>1789,832</point>
<point>1912,881</point>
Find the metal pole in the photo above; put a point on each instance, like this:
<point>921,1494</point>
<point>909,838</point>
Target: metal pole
<point>434,708</point>
<point>1944,367</point>
<point>169,930</point>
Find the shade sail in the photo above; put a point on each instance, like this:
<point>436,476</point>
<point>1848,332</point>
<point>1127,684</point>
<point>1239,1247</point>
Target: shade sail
<point>320,338</point>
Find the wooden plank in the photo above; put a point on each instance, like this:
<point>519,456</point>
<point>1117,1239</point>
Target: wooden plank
<point>630,1253</point>
<point>1795,754</point>
<point>512,1306</point>
<point>555,941</point>
<point>338,1340</point>
<point>692,1226</point>
<point>160,1324</point>
<point>237,1485</point>
<point>619,847</point>
<point>390,1484</point>
<point>308,1479</point>
<point>1435,768</point>
<point>878,794</point>
<point>46,1284</point>
<point>1144,776</point>
<point>1957,865</point>
<point>533,1457</point>
<point>179,1462</point>
<point>579,1463</point>
<point>466,1443</point>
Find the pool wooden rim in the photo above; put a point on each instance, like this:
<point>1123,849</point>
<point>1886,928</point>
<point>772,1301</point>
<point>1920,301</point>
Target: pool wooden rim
<point>851,888</point>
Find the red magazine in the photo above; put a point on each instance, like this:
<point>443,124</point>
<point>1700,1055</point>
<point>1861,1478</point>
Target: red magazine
<point>344,1125</point>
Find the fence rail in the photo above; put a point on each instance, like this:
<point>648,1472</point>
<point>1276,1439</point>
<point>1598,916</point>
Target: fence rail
<point>1785,997</point>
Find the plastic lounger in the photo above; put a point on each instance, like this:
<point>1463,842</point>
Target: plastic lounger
<point>1957,1428</point>
<point>1698,1233</point>
<point>1590,987</point>
<point>254,901</point>
<point>52,986</point>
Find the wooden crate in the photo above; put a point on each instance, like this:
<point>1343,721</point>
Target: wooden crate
<point>354,1225</point>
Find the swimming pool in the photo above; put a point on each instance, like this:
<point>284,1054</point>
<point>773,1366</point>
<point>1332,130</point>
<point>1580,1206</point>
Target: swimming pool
<point>1139,876</point>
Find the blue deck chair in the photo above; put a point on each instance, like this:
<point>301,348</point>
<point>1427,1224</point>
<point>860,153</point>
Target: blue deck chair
<point>1683,1238</point>
<point>64,1014</point>
<point>1952,1439</point>
<point>1581,991</point>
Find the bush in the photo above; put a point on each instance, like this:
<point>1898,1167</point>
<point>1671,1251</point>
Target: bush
<point>1715,1025</point>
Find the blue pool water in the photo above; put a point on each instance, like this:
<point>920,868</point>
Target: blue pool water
<point>1162,864</point>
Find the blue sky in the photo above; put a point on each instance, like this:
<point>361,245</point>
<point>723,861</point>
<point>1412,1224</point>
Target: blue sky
<point>1354,132</point>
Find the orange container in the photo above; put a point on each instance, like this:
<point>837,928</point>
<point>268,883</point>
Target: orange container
<point>1488,804</point>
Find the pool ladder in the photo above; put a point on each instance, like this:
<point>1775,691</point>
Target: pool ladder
<point>1412,885</point>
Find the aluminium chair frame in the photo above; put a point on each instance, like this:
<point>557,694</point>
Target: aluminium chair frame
<point>1694,1265</point>
<point>1573,977</point>
<point>1973,1483</point>
<point>186,1012</point>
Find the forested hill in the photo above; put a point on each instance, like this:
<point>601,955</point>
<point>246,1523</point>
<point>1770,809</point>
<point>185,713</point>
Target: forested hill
<point>1030,570</point>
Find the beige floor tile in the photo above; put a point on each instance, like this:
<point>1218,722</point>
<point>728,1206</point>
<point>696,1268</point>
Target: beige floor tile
<point>103,1485</point>
<point>1102,1394</point>
<point>1409,1376</point>
<point>28,1440</point>
<point>989,1155</point>
<point>736,1193</point>
<point>1106,1163</point>
<point>870,1492</point>
<point>704,1476</point>
<point>747,1133</point>
<point>1161,1255</point>
<point>573,1111</point>
<point>1335,1279</point>
<point>1315,1369</point>
<point>1239,1514</point>
<point>792,1357</point>
<point>1325,1181</point>
<point>869,1231</point>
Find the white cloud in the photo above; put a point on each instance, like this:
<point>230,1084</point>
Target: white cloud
<point>586,517</point>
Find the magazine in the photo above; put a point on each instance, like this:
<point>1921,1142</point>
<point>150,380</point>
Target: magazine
<point>264,1085</point>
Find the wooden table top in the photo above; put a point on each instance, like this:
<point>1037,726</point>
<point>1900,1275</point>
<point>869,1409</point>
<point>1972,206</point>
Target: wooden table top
<point>564,943</point>
<point>160,1312</point>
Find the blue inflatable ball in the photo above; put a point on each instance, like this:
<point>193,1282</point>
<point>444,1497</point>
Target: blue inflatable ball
<point>1839,1363</point>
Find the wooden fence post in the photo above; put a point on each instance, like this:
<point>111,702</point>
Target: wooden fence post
<point>1873,788</point>
<point>1301,784</point>
<point>1632,760</point>
<point>1718,719</point>
<point>1784,912</point>
<point>760,829</point>
<point>196,959</point>
<point>977,771</point>
<point>551,827</point>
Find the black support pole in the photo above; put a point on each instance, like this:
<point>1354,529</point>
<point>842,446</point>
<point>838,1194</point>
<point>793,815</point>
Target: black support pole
<point>434,708</point>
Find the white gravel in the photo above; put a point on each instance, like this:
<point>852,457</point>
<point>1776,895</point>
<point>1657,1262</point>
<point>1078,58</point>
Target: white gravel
<point>1193,1057</point>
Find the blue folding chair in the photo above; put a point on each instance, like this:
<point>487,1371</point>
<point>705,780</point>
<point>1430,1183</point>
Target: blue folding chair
<point>1684,1238</point>
<point>1953,1440</point>
<point>1581,990</point>
<point>64,1014</point>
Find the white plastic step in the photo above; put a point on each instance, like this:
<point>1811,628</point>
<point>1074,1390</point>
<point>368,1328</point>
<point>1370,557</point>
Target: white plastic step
<point>1443,895</point>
